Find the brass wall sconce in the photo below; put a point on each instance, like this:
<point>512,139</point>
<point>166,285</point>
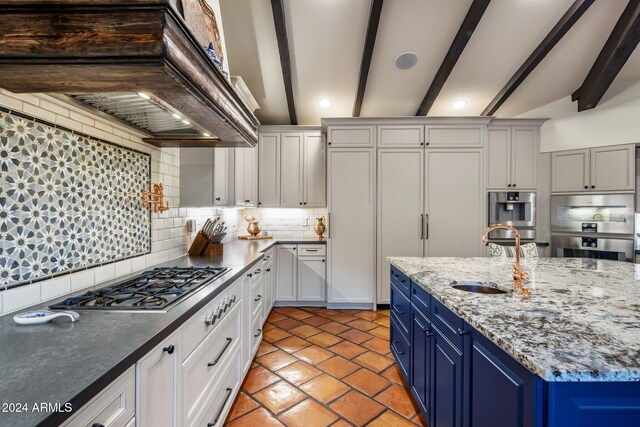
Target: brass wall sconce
<point>155,198</point>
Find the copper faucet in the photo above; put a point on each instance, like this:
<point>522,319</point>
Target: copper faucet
<point>519,275</point>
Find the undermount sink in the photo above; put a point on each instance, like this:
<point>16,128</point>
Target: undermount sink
<point>477,287</point>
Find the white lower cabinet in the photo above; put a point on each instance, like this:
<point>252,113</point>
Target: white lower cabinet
<point>113,407</point>
<point>311,278</point>
<point>268,272</point>
<point>157,384</point>
<point>301,273</point>
<point>286,274</point>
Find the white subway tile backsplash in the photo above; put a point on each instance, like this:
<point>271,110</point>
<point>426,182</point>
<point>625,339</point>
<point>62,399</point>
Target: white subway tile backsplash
<point>138,263</point>
<point>56,287</point>
<point>20,297</point>
<point>122,267</point>
<point>80,280</point>
<point>105,272</point>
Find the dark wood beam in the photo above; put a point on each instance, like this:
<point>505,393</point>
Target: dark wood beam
<point>277,6</point>
<point>573,14</point>
<point>460,41</point>
<point>367,54</point>
<point>616,51</point>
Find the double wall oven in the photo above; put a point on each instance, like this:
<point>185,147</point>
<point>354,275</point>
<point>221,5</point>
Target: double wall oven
<point>593,226</point>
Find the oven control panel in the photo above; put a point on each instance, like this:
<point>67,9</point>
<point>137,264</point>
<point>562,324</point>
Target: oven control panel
<point>589,227</point>
<point>589,242</point>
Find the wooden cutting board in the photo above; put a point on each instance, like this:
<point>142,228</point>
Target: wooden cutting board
<point>250,237</point>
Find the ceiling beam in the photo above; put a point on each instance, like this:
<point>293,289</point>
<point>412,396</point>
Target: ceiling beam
<point>367,54</point>
<point>277,6</point>
<point>573,14</point>
<point>460,41</point>
<point>616,51</point>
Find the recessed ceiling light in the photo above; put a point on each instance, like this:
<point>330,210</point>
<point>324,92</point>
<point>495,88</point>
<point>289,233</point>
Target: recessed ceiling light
<point>176,116</point>
<point>459,104</point>
<point>405,61</point>
<point>324,103</point>
<point>143,95</point>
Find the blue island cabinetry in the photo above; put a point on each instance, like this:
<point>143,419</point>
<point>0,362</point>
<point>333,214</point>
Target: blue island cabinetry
<point>460,378</point>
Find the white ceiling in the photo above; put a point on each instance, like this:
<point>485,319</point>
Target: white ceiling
<point>326,40</point>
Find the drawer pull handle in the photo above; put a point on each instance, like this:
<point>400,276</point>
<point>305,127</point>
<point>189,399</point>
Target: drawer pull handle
<point>461,332</point>
<point>310,250</point>
<point>258,334</point>
<point>258,298</point>
<point>258,271</point>
<point>249,275</point>
<point>268,270</point>
<point>396,347</point>
<point>97,425</point>
<point>395,306</point>
<point>226,346</point>
<point>169,349</point>
<point>224,403</point>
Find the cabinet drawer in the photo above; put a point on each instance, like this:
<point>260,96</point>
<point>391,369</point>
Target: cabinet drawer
<point>114,407</point>
<point>400,309</point>
<point>401,136</point>
<point>401,348</point>
<point>203,368</point>
<point>449,323</point>
<point>421,299</point>
<point>217,406</point>
<point>312,250</point>
<point>197,328</point>
<point>351,136</point>
<point>400,280</point>
<point>458,136</point>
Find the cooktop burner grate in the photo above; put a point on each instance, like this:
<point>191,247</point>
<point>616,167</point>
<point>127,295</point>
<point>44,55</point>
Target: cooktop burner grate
<point>152,290</point>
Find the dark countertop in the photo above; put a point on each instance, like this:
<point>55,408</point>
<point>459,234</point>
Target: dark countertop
<point>61,362</point>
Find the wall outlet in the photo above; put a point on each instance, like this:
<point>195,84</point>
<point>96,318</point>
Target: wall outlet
<point>305,222</point>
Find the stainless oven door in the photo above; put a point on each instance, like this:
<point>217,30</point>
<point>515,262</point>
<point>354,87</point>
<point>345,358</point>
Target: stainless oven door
<point>592,247</point>
<point>593,213</point>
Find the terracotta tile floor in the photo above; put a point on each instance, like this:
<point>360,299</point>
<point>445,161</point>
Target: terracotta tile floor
<point>320,367</point>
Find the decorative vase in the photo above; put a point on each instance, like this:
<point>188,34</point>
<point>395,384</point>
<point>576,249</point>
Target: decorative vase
<point>319,227</point>
<point>253,228</point>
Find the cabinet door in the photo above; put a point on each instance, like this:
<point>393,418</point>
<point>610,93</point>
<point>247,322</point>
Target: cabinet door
<point>499,157</point>
<point>268,289</point>
<point>157,385</point>
<point>239,173</point>
<point>454,202</point>
<point>420,369</point>
<point>400,210</point>
<point>454,136</point>
<point>311,278</point>
<point>315,171</point>
<point>350,136</point>
<point>269,170</point>
<point>613,168</point>
<point>196,177</point>
<point>222,176</point>
<point>291,176</point>
<point>250,181</point>
<point>409,136</point>
<point>446,383</point>
<point>570,171</point>
<point>524,157</point>
<point>286,273</point>
<point>351,226</point>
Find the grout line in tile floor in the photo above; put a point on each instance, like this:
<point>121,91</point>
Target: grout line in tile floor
<point>323,367</point>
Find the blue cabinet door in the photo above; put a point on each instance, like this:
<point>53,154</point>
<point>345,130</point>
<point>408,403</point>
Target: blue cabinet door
<point>499,392</point>
<point>401,349</point>
<point>420,360</point>
<point>446,383</point>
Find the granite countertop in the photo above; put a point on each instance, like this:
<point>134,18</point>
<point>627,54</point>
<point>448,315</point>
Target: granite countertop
<point>581,323</point>
<point>61,362</point>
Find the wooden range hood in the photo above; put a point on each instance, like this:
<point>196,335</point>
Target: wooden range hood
<point>111,50</point>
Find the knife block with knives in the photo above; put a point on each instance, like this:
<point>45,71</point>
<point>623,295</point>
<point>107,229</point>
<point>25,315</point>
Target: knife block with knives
<point>208,241</point>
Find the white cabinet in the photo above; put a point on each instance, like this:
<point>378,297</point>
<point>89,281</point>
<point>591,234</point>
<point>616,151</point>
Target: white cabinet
<point>513,153</point>
<point>350,136</point>
<point>600,169</point>
<point>196,177</point>
<point>286,272</point>
<point>157,384</point>
<point>454,202</point>
<point>351,225</point>
<point>223,182</point>
<point>269,170</point>
<point>314,170</point>
<point>401,136</point>
<point>292,170</point>
<point>269,271</point>
<point>400,210</point>
<point>459,135</point>
<point>246,176</point>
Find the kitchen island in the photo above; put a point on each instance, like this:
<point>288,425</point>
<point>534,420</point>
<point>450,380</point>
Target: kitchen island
<point>567,355</point>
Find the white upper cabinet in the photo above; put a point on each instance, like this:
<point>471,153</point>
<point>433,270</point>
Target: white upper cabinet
<point>599,169</point>
<point>246,176</point>
<point>350,136</point>
<point>315,171</point>
<point>454,135</point>
<point>513,153</point>
<point>291,173</point>
<point>223,176</point>
<point>196,177</point>
<point>269,169</point>
<point>409,136</point>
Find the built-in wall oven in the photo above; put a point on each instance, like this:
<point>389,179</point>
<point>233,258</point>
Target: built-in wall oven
<point>593,226</point>
<point>514,208</point>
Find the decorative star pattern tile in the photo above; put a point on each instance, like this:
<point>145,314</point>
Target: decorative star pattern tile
<point>66,201</point>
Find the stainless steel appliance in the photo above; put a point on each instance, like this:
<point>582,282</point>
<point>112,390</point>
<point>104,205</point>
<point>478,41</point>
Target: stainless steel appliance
<point>152,290</point>
<point>514,208</point>
<point>593,226</point>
